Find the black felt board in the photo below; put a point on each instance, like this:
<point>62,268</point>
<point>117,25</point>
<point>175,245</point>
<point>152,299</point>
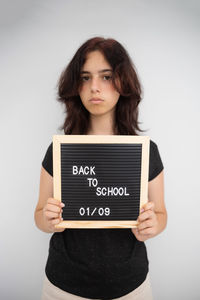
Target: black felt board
<point>115,165</point>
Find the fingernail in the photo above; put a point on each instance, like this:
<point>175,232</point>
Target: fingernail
<point>142,210</point>
<point>62,204</point>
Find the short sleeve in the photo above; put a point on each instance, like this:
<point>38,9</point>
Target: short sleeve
<point>47,162</point>
<point>155,162</point>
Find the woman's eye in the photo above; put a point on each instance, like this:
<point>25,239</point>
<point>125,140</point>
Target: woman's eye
<point>85,78</point>
<point>107,77</point>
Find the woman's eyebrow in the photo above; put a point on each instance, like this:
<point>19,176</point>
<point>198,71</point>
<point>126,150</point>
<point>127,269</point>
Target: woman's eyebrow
<point>100,71</point>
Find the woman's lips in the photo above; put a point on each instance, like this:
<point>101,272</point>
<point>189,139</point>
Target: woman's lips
<point>96,100</point>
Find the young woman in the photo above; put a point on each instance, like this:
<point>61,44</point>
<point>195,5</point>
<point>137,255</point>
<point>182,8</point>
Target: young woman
<point>101,93</point>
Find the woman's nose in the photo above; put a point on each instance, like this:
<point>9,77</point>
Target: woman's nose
<point>95,85</point>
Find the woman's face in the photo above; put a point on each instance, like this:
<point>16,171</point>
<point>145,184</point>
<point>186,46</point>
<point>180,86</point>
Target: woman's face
<point>96,83</point>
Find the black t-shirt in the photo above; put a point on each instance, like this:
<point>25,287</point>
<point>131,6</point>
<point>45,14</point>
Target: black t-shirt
<point>98,263</point>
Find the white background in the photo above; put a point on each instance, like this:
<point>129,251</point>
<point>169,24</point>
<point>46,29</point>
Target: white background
<point>38,39</point>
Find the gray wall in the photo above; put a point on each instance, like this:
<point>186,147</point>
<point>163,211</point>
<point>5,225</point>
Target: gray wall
<point>38,38</point>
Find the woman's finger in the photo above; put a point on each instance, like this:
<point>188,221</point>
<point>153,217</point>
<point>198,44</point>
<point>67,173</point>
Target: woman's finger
<point>52,208</point>
<point>56,221</point>
<point>51,215</point>
<point>145,224</point>
<point>145,215</point>
<point>149,205</point>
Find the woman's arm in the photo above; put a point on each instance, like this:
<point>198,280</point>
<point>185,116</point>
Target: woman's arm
<point>153,217</point>
<point>48,210</point>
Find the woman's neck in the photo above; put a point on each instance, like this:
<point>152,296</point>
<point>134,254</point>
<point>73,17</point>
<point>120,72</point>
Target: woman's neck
<point>101,125</point>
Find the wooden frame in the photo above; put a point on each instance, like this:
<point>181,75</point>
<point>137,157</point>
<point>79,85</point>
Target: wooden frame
<point>58,139</point>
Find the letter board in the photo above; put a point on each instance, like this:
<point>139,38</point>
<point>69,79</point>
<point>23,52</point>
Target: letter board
<point>102,179</point>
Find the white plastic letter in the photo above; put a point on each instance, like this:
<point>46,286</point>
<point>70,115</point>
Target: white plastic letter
<point>74,170</point>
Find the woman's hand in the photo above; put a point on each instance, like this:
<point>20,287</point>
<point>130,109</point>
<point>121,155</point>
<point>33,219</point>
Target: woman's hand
<point>52,214</point>
<point>147,223</point>
<point>153,216</point>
